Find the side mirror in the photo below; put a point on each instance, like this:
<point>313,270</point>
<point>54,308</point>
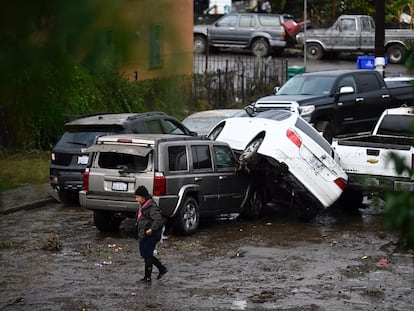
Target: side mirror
<point>250,110</point>
<point>346,90</point>
<point>276,89</point>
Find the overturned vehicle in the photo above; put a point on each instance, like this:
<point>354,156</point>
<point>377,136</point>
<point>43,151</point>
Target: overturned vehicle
<point>287,157</point>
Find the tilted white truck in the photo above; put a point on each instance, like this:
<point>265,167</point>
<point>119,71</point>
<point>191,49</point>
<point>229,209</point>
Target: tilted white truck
<point>367,158</point>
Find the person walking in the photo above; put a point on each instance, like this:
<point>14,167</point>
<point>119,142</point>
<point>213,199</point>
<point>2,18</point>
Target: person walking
<point>150,223</point>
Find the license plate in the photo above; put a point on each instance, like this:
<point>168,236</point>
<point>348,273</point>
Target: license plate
<point>119,186</point>
<point>83,159</point>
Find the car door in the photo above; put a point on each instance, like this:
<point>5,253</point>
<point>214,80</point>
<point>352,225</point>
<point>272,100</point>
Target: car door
<point>205,177</point>
<point>345,36</point>
<point>231,185</point>
<point>372,98</point>
<point>223,31</point>
<point>246,27</point>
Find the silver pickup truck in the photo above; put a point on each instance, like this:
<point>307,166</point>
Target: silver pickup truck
<point>355,33</point>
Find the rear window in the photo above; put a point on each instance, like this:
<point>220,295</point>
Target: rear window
<point>312,133</point>
<point>83,139</point>
<point>397,125</point>
<point>114,160</point>
<point>269,20</point>
<point>177,158</point>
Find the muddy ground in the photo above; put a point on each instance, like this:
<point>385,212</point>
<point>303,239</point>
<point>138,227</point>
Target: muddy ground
<point>335,262</point>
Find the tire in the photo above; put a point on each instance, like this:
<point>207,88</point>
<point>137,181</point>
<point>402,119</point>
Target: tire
<point>314,51</point>
<point>106,221</point>
<point>69,197</point>
<point>186,222</point>
<point>249,154</point>
<point>325,127</point>
<point>254,205</point>
<point>260,48</point>
<point>200,45</point>
<point>396,54</point>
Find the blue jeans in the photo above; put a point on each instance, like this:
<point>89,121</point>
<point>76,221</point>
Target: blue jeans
<point>147,247</point>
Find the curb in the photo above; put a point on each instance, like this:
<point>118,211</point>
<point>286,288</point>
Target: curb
<point>29,206</point>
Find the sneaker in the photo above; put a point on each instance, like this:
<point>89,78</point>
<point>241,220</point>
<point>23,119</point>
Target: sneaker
<point>145,280</point>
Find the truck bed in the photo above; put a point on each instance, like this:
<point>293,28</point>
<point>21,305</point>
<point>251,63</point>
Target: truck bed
<point>378,141</point>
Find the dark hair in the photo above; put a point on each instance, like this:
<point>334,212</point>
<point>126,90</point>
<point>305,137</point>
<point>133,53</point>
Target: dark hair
<point>142,191</point>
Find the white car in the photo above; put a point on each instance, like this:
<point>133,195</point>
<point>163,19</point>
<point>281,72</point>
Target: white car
<point>288,153</point>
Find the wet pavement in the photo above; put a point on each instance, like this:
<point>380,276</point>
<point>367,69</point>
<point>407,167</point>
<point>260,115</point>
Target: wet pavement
<point>26,197</point>
<point>53,258</point>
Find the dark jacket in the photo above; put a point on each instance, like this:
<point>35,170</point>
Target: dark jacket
<point>151,218</point>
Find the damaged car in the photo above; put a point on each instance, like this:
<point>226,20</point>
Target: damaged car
<point>287,157</point>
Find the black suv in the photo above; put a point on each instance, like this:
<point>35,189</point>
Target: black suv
<point>68,162</point>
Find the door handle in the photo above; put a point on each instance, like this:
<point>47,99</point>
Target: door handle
<point>198,178</point>
<point>222,177</point>
<point>359,99</point>
<point>385,96</point>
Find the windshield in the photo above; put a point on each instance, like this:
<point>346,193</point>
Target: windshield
<point>307,85</point>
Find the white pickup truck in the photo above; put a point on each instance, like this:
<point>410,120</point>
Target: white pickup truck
<point>367,158</point>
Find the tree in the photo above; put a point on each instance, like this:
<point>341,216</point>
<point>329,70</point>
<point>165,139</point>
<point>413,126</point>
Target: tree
<point>51,57</point>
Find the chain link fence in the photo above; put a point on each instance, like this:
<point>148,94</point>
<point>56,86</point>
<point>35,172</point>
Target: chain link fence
<point>235,81</point>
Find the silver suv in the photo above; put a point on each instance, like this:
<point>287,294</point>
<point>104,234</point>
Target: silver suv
<point>260,33</point>
<point>190,177</point>
<point>68,162</point>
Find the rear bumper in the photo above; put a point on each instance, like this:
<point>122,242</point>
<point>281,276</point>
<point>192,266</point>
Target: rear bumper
<point>380,183</point>
<point>168,204</point>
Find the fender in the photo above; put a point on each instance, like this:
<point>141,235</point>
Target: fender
<point>182,193</point>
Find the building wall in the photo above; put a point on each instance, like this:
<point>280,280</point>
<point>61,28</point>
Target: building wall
<point>170,21</point>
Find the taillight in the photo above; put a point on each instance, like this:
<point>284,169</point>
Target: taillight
<point>86,180</point>
<point>412,161</point>
<point>340,182</point>
<point>160,184</point>
<point>284,35</point>
<point>294,137</point>
<point>124,140</point>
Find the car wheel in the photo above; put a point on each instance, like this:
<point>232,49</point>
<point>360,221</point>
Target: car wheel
<point>260,47</point>
<point>396,54</point>
<point>254,204</point>
<point>186,222</point>
<point>69,197</point>
<point>325,127</point>
<point>249,154</point>
<point>314,51</point>
<point>200,45</point>
<point>106,221</point>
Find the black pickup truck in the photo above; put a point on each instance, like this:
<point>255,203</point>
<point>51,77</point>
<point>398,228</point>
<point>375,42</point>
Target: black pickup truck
<point>339,101</point>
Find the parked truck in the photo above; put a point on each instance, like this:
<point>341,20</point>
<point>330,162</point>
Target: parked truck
<point>356,33</point>
<point>339,101</point>
<point>367,158</point>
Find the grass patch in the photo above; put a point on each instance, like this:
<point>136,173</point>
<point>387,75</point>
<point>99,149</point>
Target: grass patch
<point>23,167</point>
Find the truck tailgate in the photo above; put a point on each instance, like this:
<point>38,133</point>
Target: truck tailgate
<point>371,158</point>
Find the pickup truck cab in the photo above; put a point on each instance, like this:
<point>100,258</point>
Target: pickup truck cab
<point>356,33</point>
<point>367,158</point>
<point>339,101</point>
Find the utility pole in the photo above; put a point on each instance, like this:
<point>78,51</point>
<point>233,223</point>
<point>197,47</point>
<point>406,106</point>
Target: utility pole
<point>380,36</point>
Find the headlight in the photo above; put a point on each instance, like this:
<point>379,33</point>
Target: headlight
<point>306,110</point>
